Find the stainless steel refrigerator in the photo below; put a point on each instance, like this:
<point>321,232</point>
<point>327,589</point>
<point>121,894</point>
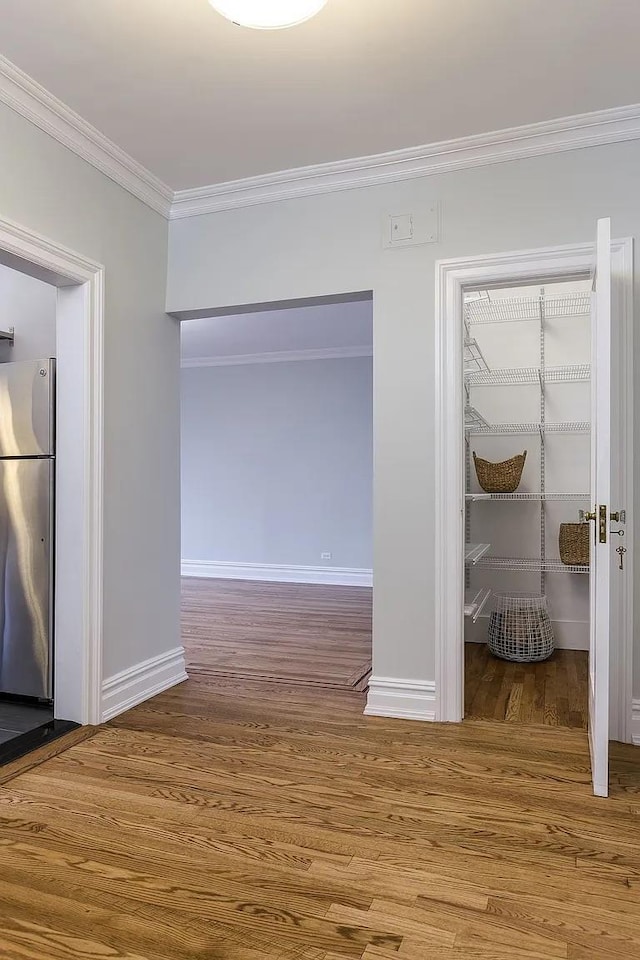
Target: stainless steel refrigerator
<point>27,459</point>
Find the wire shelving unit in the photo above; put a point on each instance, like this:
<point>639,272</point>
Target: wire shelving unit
<point>530,565</point>
<point>482,309</point>
<point>522,375</point>
<point>475,601</point>
<point>474,552</point>
<point>510,309</point>
<point>495,429</point>
<point>474,422</point>
<point>474,361</point>
<point>521,497</point>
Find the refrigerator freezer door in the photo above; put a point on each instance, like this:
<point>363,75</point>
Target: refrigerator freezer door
<point>26,577</point>
<point>27,390</point>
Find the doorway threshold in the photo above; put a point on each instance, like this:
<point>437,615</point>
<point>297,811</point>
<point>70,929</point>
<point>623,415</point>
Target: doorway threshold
<point>42,736</point>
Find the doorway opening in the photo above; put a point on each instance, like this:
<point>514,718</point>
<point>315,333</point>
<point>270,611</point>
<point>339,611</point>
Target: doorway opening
<point>527,375</point>
<point>277,527</point>
<point>27,513</point>
<point>52,306</point>
<point>459,284</point>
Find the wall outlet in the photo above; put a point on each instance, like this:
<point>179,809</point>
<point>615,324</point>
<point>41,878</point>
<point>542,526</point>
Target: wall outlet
<point>325,556</point>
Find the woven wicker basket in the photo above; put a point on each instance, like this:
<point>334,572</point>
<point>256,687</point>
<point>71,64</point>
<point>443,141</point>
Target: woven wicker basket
<point>500,477</point>
<point>574,544</point>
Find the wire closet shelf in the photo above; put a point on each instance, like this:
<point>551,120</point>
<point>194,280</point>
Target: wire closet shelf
<point>530,565</point>
<point>475,601</point>
<point>573,426</point>
<point>495,378</point>
<point>510,309</point>
<point>523,497</point>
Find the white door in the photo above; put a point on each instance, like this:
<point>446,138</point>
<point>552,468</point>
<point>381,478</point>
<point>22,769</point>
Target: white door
<point>601,547</point>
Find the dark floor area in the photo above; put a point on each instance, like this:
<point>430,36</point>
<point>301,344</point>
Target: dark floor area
<point>17,718</point>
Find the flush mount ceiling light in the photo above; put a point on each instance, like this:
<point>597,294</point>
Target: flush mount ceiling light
<point>268,14</point>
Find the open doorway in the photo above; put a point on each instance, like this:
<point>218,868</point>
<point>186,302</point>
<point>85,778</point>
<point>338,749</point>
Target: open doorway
<point>27,512</point>
<point>277,528</point>
<point>527,414</point>
<point>52,310</point>
<point>519,625</point>
<point>51,372</point>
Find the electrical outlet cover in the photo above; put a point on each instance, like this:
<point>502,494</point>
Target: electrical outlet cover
<point>409,229</point>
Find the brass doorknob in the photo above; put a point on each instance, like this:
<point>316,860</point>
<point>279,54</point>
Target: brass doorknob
<point>584,516</point>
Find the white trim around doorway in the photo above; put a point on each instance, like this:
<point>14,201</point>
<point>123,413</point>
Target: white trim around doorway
<point>79,495</point>
<point>452,278</point>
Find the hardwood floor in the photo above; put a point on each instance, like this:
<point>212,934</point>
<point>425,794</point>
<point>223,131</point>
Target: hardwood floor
<point>241,820</point>
<point>278,631</point>
<point>246,819</point>
<point>322,636</point>
<point>553,692</point>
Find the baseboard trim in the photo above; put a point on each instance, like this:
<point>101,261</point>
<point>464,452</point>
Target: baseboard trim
<point>635,722</point>
<point>404,699</point>
<point>136,684</point>
<point>278,573</point>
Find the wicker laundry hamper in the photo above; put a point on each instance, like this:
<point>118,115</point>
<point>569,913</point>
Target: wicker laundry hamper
<point>501,477</point>
<point>574,544</point>
<point>520,628</point>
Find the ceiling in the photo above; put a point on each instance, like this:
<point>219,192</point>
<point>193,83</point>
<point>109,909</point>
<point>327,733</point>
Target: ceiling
<point>198,100</point>
<point>341,326</point>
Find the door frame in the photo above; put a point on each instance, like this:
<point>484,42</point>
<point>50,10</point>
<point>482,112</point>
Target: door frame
<point>79,485</point>
<point>520,267</point>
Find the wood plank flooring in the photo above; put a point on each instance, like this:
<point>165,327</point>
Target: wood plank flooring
<point>241,820</point>
<point>322,636</point>
<point>553,692</point>
<point>278,631</point>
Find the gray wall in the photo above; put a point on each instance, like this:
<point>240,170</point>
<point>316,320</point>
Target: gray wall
<point>29,306</point>
<point>277,463</point>
<point>317,246</point>
<point>45,187</point>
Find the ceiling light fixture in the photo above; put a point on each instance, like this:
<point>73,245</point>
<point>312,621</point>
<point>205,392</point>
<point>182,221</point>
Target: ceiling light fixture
<point>268,14</point>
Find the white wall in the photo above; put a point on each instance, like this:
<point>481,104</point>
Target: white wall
<point>45,187</point>
<point>277,463</point>
<point>29,306</point>
<point>324,245</point>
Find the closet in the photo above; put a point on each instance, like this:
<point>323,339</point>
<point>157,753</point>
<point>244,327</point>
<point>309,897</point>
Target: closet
<point>527,467</point>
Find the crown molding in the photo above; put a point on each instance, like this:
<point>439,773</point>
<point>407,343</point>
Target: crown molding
<point>515,143</point>
<point>284,356</point>
<point>32,101</point>
<point>25,96</point>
